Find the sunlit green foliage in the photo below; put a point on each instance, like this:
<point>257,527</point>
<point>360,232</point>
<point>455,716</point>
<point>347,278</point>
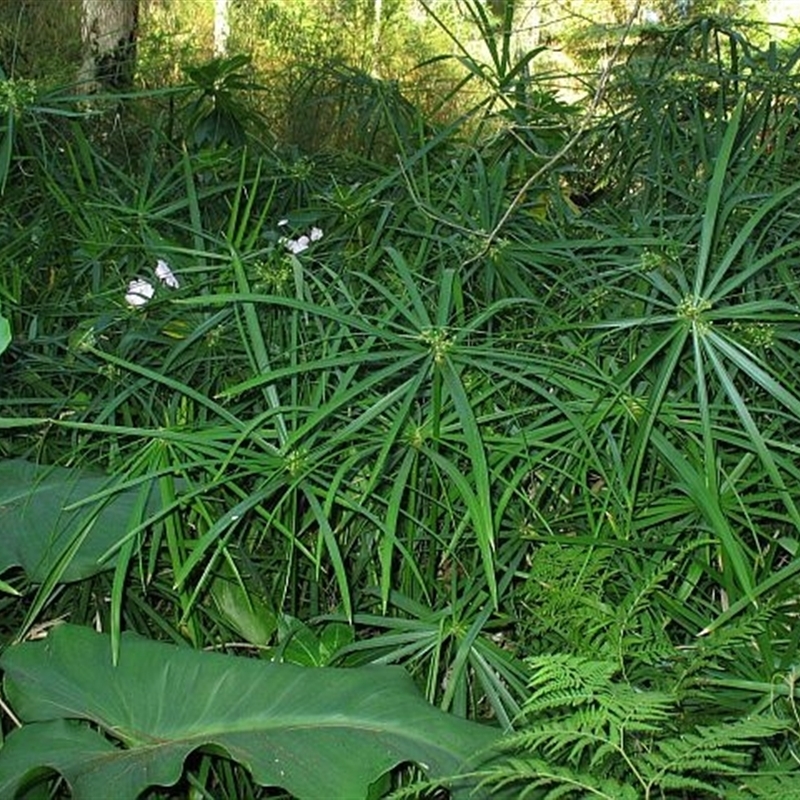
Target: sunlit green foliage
<point>494,385</point>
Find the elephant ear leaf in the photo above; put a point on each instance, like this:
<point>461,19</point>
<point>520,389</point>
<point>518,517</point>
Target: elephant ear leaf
<point>315,732</point>
<point>58,518</point>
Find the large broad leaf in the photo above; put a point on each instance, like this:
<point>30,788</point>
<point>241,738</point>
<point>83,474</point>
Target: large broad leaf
<point>319,733</point>
<point>41,519</point>
<point>5,333</point>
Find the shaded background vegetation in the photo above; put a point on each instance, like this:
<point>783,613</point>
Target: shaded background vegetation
<point>523,419</point>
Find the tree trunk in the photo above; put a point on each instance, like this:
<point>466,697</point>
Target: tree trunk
<point>108,31</point>
<point>377,22</point>
<point>221,27</point>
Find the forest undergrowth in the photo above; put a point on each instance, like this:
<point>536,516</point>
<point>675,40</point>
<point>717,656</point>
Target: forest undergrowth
<point>509,401</point>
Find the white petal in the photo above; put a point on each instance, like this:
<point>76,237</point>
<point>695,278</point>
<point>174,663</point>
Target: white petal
<point>297,245</point>
<point>165,274</point>
<point>283,222</point>
<point>139,293</point>
<point>316,234</point>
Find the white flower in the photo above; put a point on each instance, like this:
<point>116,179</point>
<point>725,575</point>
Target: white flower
<point>283,222</point>
<point>140,292</point>
<point>297,245</point>
<point>165,274</point>
<point>302,243</point>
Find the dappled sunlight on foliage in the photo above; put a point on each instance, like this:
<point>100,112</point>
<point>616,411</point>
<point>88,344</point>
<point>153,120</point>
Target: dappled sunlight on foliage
<point>425,385</point>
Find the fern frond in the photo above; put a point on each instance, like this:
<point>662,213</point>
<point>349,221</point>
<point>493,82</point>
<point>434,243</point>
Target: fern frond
<point>774,786</point>
<point>715,750</point>
<point>589,730</point>
<point>563,740</point>
<point>562,679</point>
<point>631,710</point>
<point>686,786</point>
<point>636,633</point>
<point>537,779</point>
<point>730,644</point>
<point>420,790</point>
